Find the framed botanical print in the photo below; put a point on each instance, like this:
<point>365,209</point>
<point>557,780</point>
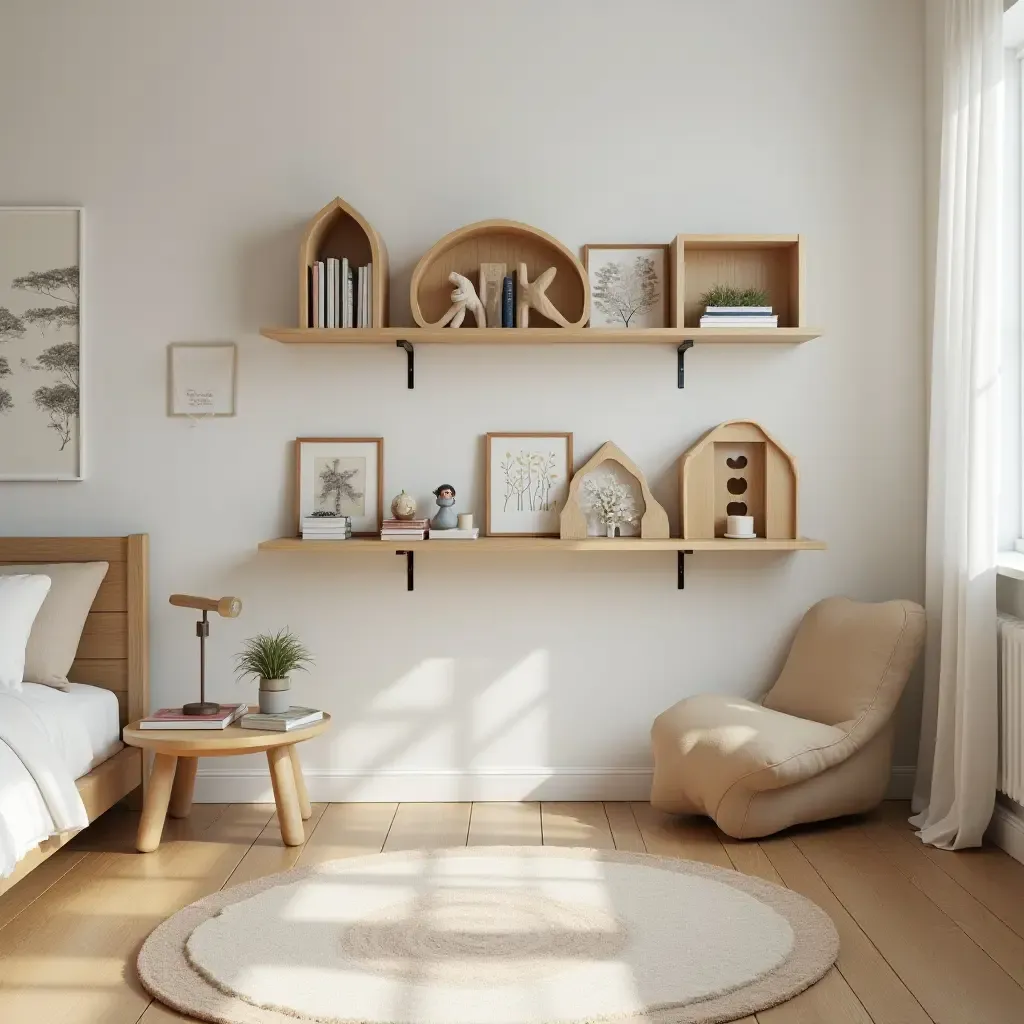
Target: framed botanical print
<point>628,285</point>
<point>527,481</point>
<point>340,476</point>
<point>201,378</point>
<point>41,343</point>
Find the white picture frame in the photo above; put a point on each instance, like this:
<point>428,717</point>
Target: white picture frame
<point>358,462</point>
<point>202,378</point>
<point>527,482</point>
<point>42,352</point>
<point>629,285</point>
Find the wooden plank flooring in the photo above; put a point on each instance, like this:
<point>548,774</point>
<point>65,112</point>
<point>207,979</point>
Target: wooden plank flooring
<point>927,937</point>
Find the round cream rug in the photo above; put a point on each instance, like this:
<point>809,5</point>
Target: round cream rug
<point>490,935</point>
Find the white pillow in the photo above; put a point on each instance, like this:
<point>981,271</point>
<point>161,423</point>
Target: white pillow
<point>21,597</point>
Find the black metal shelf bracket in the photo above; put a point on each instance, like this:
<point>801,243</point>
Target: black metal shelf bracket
<point>681,568</point>
<point>410,575</point>
<point>410,354</point>
<point>680,357</point>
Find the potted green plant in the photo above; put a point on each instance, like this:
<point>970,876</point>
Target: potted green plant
<point>728,295</point>
<point>272,657</point>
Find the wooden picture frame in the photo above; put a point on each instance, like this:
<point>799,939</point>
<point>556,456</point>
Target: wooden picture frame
<point>367,524</point>
<point>545,521</point>
<point>630,317</point>
<point>216,399</point>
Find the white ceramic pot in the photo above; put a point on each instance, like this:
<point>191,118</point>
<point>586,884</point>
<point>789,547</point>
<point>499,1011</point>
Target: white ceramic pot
<point>275,695</point>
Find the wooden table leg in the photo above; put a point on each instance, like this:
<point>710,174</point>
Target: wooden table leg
<point>289,816</point>
<point>184,786</point>
<point>154,810</point>
<point>300,783</point>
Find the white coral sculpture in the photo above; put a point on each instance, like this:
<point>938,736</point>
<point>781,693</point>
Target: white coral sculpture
<point>464,297</point>
<point>611,501</point>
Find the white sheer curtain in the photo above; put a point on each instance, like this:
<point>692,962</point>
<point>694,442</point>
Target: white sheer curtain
<point>956,780</point>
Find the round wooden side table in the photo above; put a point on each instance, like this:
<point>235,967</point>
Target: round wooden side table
<point>173,778</point>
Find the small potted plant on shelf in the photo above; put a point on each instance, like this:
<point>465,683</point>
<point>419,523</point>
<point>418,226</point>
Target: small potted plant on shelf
<point>728,306</point>
<point>272,657</point>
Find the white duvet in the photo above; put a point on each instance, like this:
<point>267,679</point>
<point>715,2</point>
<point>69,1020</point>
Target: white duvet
<point>38,796</point>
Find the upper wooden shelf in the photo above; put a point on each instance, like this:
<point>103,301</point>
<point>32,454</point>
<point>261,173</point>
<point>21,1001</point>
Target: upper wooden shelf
<point>539,335</point>
<point>551,544</point>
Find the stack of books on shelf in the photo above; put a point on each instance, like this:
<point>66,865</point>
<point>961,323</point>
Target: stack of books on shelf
<point>340,295</point>
<point>404,529</point>
<point>326,528</point>
<point>172,718</point>
<point>739,316</point>
<point>284,721</point>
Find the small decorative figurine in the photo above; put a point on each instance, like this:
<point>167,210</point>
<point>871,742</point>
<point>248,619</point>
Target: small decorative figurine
<point>403,506</point>
<point>446,518</point>
<point>464,297</point>
<point>532,294</point>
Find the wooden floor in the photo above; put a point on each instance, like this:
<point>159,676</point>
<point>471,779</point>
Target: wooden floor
<point>927,936</point>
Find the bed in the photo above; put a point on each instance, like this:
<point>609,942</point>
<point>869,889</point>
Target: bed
<point>110,675</point>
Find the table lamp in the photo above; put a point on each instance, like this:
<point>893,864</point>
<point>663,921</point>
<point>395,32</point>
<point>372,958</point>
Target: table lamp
<point>229,608</point>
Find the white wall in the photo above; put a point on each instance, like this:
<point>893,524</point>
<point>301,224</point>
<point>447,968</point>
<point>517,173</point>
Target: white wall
<point>200,136</point>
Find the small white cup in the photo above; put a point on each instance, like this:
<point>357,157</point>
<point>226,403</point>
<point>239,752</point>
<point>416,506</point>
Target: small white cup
<point>739,526</point>
<point>466,520</point>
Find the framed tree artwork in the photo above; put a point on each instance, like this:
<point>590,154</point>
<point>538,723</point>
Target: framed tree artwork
<point>340,476</point>
<point>527,481</point>
<point>40,343</point>
<point>628,285</point>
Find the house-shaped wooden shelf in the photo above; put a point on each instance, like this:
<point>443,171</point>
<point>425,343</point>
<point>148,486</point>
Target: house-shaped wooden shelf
<point>738,469</point>
<point>573,520</point>
<point>341,231</point>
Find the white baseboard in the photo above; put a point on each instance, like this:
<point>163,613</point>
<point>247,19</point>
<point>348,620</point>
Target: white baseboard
<point>1006,830</point>
<point>227,785</point>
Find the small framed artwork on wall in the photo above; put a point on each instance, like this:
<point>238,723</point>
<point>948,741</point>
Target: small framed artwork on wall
<point>628,285</point>
<point>201,378</point>
<point>340,476</point>
<point>527,480</point>
<point>41,343</point>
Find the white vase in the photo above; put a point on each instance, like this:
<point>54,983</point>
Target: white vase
<point>611,529</point>
<point>275,695</point>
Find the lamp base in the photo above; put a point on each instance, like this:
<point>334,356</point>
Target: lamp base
<point>201,707</point>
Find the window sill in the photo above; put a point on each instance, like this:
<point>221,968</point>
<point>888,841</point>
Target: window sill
<point>1010,563</point>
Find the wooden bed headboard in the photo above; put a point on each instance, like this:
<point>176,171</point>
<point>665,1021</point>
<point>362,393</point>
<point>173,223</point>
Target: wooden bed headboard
<point>114,649</point>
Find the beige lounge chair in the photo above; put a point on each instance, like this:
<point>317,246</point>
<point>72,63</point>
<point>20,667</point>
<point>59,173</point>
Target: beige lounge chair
<point>818,745</point>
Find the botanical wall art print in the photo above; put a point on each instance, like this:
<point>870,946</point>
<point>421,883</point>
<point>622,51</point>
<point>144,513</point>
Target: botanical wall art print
<point>527,481</point>
<point>40,343</point>
<point>340,476</point>
<point>628,285</point>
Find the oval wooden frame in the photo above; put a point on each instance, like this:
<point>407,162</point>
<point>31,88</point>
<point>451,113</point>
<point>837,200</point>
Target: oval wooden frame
<point>309,250</point>
<point>498,227</point>
<point>573,522</point>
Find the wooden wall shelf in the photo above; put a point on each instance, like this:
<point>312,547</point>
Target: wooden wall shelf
<point>522,545</point>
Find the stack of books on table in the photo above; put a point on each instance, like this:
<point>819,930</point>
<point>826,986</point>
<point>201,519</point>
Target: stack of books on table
<point>455,534</point>
<point>326,528</point>
<point>739,316</point>
<point>172,718</point>
<point>293,718</point>
<point>404,529</point>
<point>340,295</point>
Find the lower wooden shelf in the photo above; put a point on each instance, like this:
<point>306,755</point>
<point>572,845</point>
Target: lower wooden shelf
<point>599,545</point>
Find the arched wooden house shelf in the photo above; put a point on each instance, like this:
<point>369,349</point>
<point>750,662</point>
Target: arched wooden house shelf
<point>341,231</point>
<point>738,468</point>
<point>499,241</point>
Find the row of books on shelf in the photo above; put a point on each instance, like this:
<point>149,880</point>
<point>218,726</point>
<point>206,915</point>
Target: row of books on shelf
<point>326,527</point>
<point>739,316</point>
<point>174,718</point>
<point>340,295</point>
<point>420,529</point>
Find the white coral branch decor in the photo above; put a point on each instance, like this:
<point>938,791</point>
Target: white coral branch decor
<point>611,501</point>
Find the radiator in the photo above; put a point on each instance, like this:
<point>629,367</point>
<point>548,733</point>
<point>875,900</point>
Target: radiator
<point>1011,708</point>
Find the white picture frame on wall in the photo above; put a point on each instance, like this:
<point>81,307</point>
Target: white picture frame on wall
<point>202,378</point>
<point>42,380</point>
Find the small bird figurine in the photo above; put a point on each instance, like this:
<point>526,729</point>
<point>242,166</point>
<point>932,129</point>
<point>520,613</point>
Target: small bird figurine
<point>464,297</point>
<point>534,295</point>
